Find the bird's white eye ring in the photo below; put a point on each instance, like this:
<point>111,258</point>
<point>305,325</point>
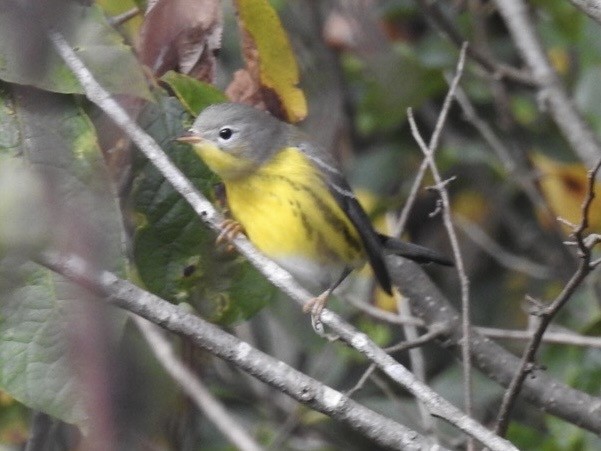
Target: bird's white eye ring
<point>226,133</point>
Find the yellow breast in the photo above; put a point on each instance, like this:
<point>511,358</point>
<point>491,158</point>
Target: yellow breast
<point>289,213</point>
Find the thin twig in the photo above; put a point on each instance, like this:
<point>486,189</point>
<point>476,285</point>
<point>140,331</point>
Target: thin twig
<point>361,382</point>
<point>120,19</point>
<point>562,338</point>
<point>383,315</point>
<point>194,388</point>
<point>401,222</point>
<point>501,255</point>
<point>428,152</point>
<point>522,175</point>
<point>416,359</point>
<point>410,343</point>
<point>274,273</point>
<point>283,432</point>
<point>546,314</point>
<point>495,143</point>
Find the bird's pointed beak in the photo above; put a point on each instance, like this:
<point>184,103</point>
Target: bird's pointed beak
<point>189,137</point>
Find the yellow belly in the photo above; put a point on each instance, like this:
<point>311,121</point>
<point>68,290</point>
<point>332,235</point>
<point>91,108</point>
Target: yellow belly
<point>289,214</point>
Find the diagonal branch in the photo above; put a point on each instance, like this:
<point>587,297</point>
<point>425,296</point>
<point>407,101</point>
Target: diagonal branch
<point>266,368</point>
<point>491,359</point>
<point>550,88</point>
<point>591,8</point>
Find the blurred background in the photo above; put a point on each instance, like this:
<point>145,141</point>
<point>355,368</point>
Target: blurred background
<point>362,64</point>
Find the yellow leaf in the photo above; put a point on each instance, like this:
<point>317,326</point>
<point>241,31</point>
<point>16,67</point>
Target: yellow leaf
<point>277,68</point>
<point>564,186</point>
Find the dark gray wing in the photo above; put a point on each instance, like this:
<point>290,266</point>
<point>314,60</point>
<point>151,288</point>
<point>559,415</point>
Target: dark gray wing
<point>348,203</point>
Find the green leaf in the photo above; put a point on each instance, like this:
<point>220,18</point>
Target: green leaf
<point>28,58</point>
<point>66,193</point>
<point>193,94</point>
<point>36,369</point>
<point>175,253</point>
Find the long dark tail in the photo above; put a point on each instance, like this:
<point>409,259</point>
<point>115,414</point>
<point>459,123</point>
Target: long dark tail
<point>415,252</point>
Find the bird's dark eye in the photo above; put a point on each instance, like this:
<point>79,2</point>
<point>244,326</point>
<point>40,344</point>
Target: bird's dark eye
<point>226,133</point>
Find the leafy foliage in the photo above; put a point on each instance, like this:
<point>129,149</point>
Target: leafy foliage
<point>57,191</point>
<point>97,44</point>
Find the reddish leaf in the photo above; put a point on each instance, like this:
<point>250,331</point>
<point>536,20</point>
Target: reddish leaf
<point>182,35</point>
<point>245,88</point>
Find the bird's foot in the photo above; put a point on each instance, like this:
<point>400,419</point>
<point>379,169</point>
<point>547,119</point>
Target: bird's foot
<point>315,306</point>
<point>230,229</point>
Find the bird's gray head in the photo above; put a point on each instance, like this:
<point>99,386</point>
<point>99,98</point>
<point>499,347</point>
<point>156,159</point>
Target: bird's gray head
<point>242,130</point>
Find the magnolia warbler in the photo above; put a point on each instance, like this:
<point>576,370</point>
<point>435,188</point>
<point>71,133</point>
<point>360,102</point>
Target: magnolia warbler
<point>292,201</point>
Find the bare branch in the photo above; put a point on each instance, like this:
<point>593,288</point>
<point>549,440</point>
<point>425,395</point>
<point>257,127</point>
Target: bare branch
<point>361,382</point>
<point>586,207</point>
<point>518,171</point>
<point>502,256</point>
<point>563,338</point>
<point>410,343</point>
<point>208,336</point>
<point>383,315</point>
<point>550,88</point>
<point>495,143</point>
<point>493,360</point>
<point>591,8</point>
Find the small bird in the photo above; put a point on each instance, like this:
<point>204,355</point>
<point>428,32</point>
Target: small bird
<point>292,201</point>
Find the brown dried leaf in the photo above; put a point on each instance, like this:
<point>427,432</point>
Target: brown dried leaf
<point>245,89</point>
<point>182,35</point>
<point>246,85</point>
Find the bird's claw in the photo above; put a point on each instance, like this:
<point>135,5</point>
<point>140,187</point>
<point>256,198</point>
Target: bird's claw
<point>230,229</point>
<point>315,306</point>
